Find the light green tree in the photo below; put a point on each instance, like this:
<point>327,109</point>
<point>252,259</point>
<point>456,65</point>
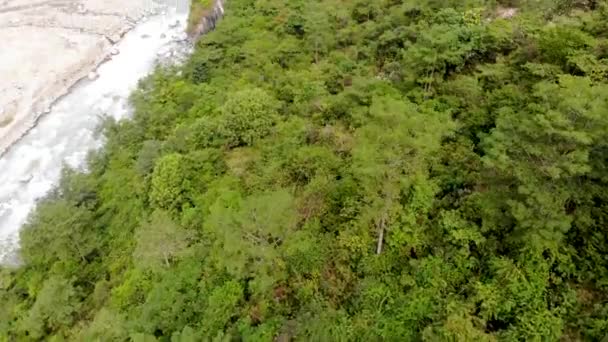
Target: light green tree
<point>247,116</point>
<point>59,231</point>
<point>160,241</point>
<point>249,234</point>
<point>54,309</point>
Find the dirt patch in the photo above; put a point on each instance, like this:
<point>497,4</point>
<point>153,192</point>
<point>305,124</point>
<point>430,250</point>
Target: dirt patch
<point>506,12</point>
<point>7,115</point>
<point>6,120</point>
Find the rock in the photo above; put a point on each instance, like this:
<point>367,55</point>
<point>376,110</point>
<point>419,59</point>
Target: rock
<point>114,51</point>
<point>145,36</point>
<point>174,25</point>
<point>115,38</point>
<point>506,13</point>
<point>47,110</point>
<point>26,179</point>
<point>163,36</point>
<point>180,37</point>
<point>92,75</point>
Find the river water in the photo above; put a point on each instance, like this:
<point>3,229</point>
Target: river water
<point>32,167</point>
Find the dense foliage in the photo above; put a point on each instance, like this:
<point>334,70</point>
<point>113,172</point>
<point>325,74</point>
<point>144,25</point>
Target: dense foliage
<point>336,170</point>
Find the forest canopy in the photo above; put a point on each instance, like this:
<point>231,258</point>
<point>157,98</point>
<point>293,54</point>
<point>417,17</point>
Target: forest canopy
<point>328,170</point>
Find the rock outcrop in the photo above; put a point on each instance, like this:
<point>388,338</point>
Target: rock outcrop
<point>208,20</point>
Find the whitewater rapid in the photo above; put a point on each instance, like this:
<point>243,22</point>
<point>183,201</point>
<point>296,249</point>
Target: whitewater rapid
<point>32,166</point>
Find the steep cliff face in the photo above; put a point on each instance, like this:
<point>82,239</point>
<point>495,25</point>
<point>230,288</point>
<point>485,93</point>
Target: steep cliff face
<point>209,19</point>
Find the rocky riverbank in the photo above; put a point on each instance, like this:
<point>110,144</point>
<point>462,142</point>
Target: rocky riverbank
<point>32,165</point>
<point>48,46</point>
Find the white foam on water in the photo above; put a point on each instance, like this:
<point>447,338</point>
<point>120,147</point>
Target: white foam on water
<point>32,167</point>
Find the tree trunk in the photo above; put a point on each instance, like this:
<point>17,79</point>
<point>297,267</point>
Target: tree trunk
<point>381,236</point>
<point>166,260</point>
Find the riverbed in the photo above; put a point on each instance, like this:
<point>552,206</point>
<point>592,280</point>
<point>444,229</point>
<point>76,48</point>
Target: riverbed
<point>64,136</point>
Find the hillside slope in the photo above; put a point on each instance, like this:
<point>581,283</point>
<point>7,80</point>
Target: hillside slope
<point>342,171</point>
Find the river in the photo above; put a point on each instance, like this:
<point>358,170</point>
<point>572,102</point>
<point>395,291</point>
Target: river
<point>32,166</point>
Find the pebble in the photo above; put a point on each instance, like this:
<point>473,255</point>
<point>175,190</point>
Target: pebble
<point>114,51</point>
<point>93,75</point>
<point>163,36</point>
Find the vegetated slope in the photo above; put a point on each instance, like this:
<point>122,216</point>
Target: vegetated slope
<point>342,171</point>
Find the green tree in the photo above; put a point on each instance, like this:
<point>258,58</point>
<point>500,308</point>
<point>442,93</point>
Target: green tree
<point>106,326</point>
<point>59,231</point>
<point>247,116</point>
<point>167,190</point>
<point>398,142</point>
<point>54,309</point>
<point>545,148</point>
<point>249,234</point>
<point>160,241</point>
